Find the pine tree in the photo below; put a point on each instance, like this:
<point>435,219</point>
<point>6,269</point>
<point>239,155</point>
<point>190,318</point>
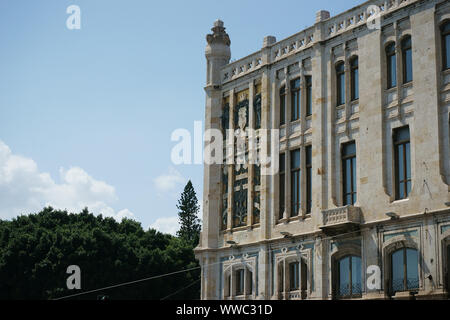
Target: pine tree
<point>189,222</point>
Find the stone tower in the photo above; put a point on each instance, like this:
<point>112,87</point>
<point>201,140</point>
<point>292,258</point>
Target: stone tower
<point>217,54</point>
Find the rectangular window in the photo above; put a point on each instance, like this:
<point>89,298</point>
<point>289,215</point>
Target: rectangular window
<point>295,98</point>
<point>355,78</point>
<point>402,162</point>
<point>282,106</point>
<point>282,184</point>
<point>240,282</point>
<point>294,274</point>
<point>349,173</point>
<point>308,152</point>
<point>308,95</point>
<point>407,60</point>
<point>340,83</point>
<point>445,29</point>
<point>295,183</point>
<point>391,58</point>
<point>447,51</point>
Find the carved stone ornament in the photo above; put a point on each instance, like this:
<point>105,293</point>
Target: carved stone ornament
<point>219,35</point>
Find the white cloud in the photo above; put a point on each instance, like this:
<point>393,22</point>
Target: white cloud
<point>169,182</point>
<point>166,225</point>
<point>23,189</point>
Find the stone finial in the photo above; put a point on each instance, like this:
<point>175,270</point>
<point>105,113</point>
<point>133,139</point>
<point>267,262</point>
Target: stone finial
<point>219,34</point>
<point>268,41</point>
<point>322,15</point>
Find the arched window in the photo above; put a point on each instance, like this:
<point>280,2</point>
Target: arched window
<point>349,277</point>
<point>391,62</point>
<point>354,76</point>
<point>404,270</point>
<point>407,59</point>
<point>340,83</point>
<point>283,106</point>
<point>445,31</point>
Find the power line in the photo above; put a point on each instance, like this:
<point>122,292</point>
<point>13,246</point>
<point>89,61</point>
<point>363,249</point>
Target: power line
<point>128,283</point>
<point>170,295</point>
<point>182,271</point>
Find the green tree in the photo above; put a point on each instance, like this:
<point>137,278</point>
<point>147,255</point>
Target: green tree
<point>35,251</point>
<point>189,221</point>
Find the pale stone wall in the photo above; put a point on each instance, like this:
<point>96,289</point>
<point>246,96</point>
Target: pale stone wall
<point>363,229</point>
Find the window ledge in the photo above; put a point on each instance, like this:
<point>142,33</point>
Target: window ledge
<point>400,201</point>
<point>390,90</point>
<point>408,84</point>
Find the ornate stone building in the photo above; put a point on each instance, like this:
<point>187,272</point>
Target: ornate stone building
<point>359,207</point>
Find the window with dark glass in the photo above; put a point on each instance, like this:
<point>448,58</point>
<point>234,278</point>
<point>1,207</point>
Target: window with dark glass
<point>402,150</point>
<point>404,270</point>
<point>354,78</point>
<point>447,274</point>
<point>349,173</point>
<point>349,277</point>
<point>407,60</point>
<point>308,151</point>
<point>391,60</point>
<point>295,98</point>
<point>240,282</point>
<point>282,184</point>
<point>308,95</point>
<point>340,83</point>
<point>445,30</point>
<point>294,274</point>
<point>282,106</point>
<point>228,286</point>
<point>295,183</point>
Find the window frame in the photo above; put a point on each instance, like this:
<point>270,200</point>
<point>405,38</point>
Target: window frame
<point>391,65</point>
<point>340,83</point>
<point>294,282</point>
<point>354,78</point>
<point>406,45</point>
<point>350,275</point>
<point>397,143</point>
<point>283,96</point>
<point>296,97</point>
<point>240,282</point>
<point>296,183</point>
<point>445,49</point>
<point>308,168</point>
<point>308,81</point>
<point>282,185</point>
<point>405,271</point>
<point>353,166</point>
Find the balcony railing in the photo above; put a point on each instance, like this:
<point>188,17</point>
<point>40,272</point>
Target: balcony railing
<point>341,217</point>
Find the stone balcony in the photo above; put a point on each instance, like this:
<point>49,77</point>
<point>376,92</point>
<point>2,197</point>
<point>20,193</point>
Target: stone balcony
<point>341,220</point>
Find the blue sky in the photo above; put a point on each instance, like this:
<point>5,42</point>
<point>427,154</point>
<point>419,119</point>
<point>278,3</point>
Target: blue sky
<point>86,115</point>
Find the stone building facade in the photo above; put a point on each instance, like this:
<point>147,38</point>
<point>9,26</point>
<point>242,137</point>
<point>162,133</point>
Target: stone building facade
<point>359,207</point>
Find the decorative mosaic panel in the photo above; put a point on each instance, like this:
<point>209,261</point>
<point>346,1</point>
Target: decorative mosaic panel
<point>257,194</point>
<point>224,222</point>
<point>240,203</point>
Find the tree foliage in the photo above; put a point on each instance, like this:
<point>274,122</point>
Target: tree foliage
<point>189,222</point>
<point>35,251</point>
